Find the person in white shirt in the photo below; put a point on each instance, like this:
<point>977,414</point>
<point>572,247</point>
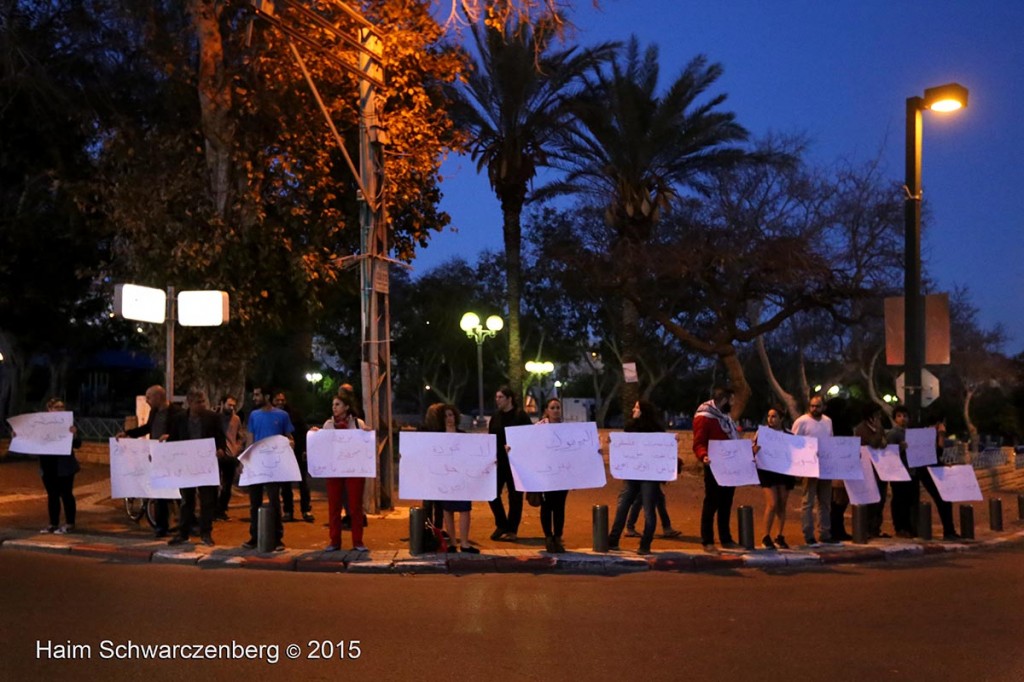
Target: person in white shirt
<point>817,491</point>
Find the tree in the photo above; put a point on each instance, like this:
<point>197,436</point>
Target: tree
<point>512,103</point>
<point>636,151</point>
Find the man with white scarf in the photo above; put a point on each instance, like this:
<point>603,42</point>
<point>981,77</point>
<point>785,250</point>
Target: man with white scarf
<point>712,422</point>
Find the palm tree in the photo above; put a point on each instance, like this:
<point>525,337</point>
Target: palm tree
<point>635,151</point>
<point>512,103</point>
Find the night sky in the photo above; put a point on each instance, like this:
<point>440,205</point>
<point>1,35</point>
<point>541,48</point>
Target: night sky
<point>839,72</point>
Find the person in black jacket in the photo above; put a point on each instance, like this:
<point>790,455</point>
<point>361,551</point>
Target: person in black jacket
<point>197,423</point>
<point>508,414</point>
<point>58,472</point>
<point>287,496</point>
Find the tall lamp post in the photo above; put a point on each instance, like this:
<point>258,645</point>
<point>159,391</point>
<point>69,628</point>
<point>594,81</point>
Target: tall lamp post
<point>540,370</point>
<point>943,98</point>
<point>470,324</point>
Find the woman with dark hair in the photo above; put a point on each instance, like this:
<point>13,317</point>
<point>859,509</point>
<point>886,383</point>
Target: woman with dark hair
<point>58,472</point>
<point>434,421</point>
<point>449,423</point>
<point>345,493</point>
<point>776,491</point>
<point>552,505</point>
<point>645,419</point>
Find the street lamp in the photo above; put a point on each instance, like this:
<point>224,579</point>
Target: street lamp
<point>943,98</point>
<point>470,324</point>
<point>540,369</point>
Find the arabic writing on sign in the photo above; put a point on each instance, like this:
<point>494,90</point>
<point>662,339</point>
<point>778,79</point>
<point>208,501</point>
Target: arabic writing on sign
<point>732,462</point>
<point>643,456</point>
<point>547,457</point>
<point>956,483</point>
<point>864,490</point>
<point>184,463</point>
<point>42,433</point>
<point>447,466</point>
<point>785,453</point>
<point>270,460</point>
<point>839,458</point>
<point>887,463</point>
<point>130,468</point>
<point>921,447</point>
<point>342,453</point>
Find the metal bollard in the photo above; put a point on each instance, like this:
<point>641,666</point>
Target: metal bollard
<point>967,521</point>
<point>746,517</point>
<point>995,514</point>
<point>600,527</point>
<point>924,521</point>
<point>265,528</point>
<point>860,524</point>
<point>417,522</point>
<point>1020,507</point>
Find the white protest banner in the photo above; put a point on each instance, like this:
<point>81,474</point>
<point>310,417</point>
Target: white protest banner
<point>864,490</point>
<point>342,453</point>
<point>921,447</point>
<point>129,471</point>
<point>563,456</point>
<point>785,453</point>
<point>888,464</point>
<point>956,483</point>
<point>270,460</point>
<point>839,458</point>
<point>42,433</point>
<point>639,456</point>
<point>184,463</point>
<point>732,462</point>
<point>447,466</point>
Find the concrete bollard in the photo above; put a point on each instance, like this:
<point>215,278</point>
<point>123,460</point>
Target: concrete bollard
<point>995,514</point>
<point>860,524</point>
<point>265,528</point>
<point>924,521</point>
<point>417,522</point>
<point>600,513</point>
<point>967,521</point>
<point>746,517</point>
<point>1020,507</point>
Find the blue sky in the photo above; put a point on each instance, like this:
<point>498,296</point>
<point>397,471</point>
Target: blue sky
<point>839,72</point>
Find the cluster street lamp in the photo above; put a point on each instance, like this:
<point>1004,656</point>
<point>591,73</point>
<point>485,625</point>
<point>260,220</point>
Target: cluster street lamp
<point>540,370</point>
<point>943,98</point>
<point>470,324</point>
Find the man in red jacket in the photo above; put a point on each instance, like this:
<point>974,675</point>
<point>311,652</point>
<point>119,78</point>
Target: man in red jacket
<point>712,422</point>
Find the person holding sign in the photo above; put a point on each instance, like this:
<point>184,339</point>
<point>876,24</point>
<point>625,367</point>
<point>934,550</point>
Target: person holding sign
<point>58,473</point>
<point>776,488</point>
<point>450,424</point>
<point>198,422</point>
<point>902,491</point>
<point>817,491</point>
<point>712,422</point>
<point>552,505</point>
<point>871,435</point>
<point>347,492</point>
<point>265,421</point>
<point>645,420</point>
<point>506,527</point>
<point>921,474</point>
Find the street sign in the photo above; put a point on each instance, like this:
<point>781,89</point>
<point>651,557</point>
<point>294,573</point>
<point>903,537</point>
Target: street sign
<point>930,388</point>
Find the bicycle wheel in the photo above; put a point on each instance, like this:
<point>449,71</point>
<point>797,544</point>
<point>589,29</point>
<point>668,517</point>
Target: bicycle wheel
<point>173,507</point>
<point>135,507</point>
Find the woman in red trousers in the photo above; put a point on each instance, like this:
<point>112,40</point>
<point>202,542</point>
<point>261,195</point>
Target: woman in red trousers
<point>345,493</point>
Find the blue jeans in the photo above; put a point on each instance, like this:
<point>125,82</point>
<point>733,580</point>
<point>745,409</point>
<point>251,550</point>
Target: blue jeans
<point>647,491</point>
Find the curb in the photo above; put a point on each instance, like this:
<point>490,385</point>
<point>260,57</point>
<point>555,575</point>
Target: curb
<point>501,561</point>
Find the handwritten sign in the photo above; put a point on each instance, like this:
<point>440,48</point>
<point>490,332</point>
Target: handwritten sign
<point>270,460</point>
<point>864,490</point>
<point>447,466</point>
<point>839,458</point>
<point>956,483</point>
<point>42,433</point>
<point>184,463</point>
<point>732,462</point>
<point>342,453</point>
<point>635,456</point>
<point>921,447</point>
<point>785,453</point>
<point>563,456</point>
<point>130,469</point>
<point>887,463</point>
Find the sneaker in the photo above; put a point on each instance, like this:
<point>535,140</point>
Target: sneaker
<point>631,533</point>
<point>468,549</point>
<point>49,529</point>
<point>780,542</point>
<point>361,548</point>
<point>308,517</point>
<point>249,544</point>
<point>768,544</point>
<point>331,548</point>
<point>279,547</point>
<point>496,535</point>
<point>671,533</point>
<point>177,540</point>
<point>643,550</point>
<point>207,539</point>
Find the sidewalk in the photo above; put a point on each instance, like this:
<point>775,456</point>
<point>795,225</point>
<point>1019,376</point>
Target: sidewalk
<point>104,531</point>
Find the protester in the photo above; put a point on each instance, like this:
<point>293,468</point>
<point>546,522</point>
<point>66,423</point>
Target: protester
<point>231,424</point>
<point>776,488</point>
<point>902,491</point>
<point>871,435</point>
<point>921,474</point>
<point>265,421</point>
<point>464,508</point>
<point>346,492</point>
<point>197,423</point>
<point>552,506</point>
<point>58,473</point>
<point>506,527</point>
<point>644,419</point>
<point>287,495</point>
<point>712,422</point>
<point>434,420</point>
<point>817,491</point>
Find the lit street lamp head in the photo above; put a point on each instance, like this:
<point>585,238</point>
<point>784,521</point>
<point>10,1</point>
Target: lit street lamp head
<point>495,323</point>
<point>469,322</point>
<point>949,97</point>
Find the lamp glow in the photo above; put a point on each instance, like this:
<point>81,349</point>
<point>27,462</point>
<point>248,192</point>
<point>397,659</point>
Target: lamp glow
<point>469,322</point>
<point>202,308</point>
<point>495,323</point>
<point>943,98</point>
<point>144,304</point>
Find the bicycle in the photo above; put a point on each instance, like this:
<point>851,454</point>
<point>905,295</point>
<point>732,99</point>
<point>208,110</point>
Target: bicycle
<point>138,507</point>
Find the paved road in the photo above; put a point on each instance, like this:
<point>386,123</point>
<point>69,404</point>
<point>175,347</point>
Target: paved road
<point>947,618</point>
